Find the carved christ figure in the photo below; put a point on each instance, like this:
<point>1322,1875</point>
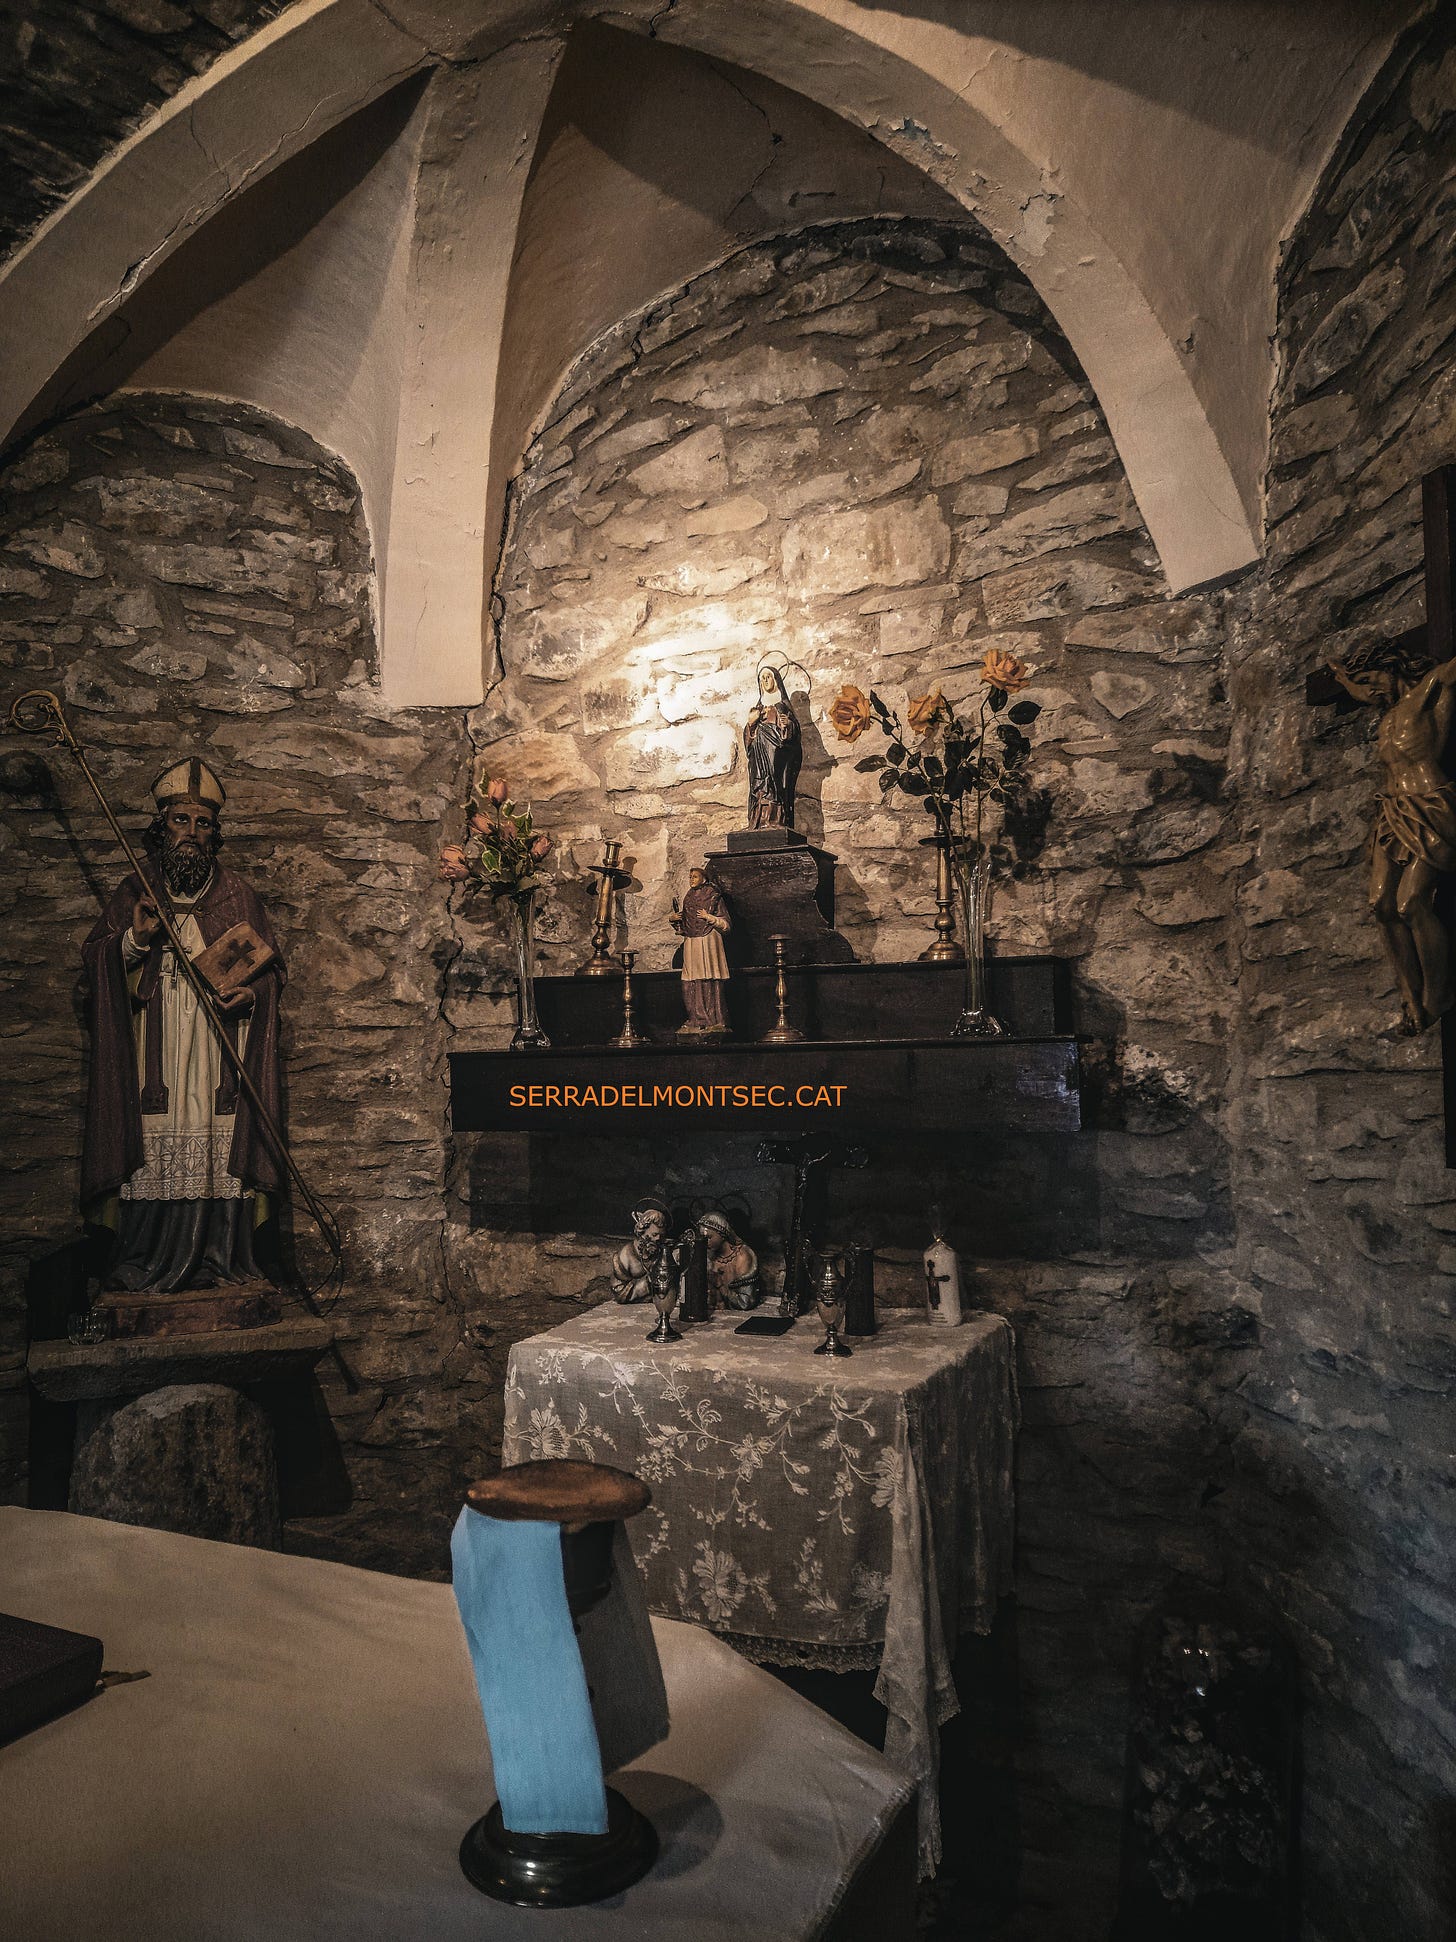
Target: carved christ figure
<point>1414,838</point>
<point>773,743</point>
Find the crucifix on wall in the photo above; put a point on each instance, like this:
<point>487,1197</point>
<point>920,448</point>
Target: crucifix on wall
<point>1412,679</point>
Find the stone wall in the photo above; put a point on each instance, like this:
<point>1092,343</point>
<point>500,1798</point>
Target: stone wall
<point>77,80</point>
<point>193,576</point>
<point>1343,1515</point>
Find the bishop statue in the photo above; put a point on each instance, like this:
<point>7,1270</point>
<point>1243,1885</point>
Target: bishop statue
<point>175,1162</point>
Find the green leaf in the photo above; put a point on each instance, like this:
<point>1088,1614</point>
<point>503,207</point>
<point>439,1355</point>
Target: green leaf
<point>1024,711</point>
<point>997,700</point>
<point>934,768</point>
<point>896,751</point>
<point>914,785</point>
<point>888,781</point>
<point>868,763</point>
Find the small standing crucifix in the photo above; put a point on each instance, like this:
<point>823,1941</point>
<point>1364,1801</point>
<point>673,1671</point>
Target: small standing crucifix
<point>809,1158</point>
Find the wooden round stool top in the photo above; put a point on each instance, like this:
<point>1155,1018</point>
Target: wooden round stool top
<point>560,1490</point>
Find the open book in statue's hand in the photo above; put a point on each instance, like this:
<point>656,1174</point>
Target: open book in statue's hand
<point>234,959</point>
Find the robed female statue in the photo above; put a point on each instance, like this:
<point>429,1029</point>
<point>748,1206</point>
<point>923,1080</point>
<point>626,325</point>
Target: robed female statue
<point>774,746</point>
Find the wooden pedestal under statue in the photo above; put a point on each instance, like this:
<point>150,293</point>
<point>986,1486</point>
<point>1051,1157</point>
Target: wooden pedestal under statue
<point>193,1311</point>
<point>779,885</point>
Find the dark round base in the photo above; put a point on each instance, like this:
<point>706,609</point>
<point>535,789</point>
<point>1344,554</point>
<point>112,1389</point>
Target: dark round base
<point>559,1870</point>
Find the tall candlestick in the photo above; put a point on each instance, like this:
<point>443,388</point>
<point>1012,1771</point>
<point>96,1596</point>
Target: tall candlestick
<point>629,1036</point>
<point>945,949</point>
<point>601,963</point>
<point>783,1032</point>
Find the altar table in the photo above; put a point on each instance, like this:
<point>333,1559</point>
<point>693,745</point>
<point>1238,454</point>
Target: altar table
<point>307,1751</point>
<point>849,1514</point>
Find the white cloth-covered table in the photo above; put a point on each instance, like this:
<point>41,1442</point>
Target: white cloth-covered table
<point>307,1752</point>
<point>846,1514</point>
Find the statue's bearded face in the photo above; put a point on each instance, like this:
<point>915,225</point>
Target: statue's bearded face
<point>189,840</point>
<point>650,1228</point>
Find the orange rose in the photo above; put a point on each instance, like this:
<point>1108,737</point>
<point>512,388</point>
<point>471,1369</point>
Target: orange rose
<point>925,711</point>
<point>1002,670</point>
<point>497,789</point>
<point>452,864</point>
<point>850,713</point>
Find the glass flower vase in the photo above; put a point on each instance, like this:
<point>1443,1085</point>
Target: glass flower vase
<point>973,889</point>
<point>529,1036</point>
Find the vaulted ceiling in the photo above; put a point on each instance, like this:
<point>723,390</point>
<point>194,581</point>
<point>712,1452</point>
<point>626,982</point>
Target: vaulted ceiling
<point>399,227</point>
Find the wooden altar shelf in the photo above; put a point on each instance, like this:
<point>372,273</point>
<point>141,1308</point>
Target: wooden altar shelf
<point>68,1372</point>
<point>878,1058</point>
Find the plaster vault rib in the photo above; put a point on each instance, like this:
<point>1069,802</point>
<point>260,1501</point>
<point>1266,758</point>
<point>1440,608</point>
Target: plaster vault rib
<point>436,516</point>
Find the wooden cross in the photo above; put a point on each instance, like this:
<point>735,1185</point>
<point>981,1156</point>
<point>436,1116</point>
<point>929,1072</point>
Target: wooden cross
<point>1432,645</point>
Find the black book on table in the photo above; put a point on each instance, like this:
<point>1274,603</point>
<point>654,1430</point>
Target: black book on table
<point>43,1671</point>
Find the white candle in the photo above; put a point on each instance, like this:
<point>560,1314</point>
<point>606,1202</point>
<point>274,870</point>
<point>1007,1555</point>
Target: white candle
<point>942,1283</point>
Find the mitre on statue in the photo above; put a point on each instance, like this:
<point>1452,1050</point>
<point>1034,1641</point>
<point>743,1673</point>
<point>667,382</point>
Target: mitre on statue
<point>189,778</point>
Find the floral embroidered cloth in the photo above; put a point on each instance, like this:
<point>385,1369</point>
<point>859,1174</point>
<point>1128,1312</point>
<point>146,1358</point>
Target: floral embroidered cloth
<point>812,1511</point>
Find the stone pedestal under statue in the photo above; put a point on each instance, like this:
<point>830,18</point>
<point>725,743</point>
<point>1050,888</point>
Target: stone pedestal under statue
<point>196,1457</point>
<point>166,1435</point>
<point>779,885</point>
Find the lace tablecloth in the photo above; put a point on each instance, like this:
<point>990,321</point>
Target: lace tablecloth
<point>811,1511</point>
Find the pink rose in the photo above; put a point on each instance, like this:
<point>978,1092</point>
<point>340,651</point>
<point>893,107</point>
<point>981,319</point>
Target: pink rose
<point>452,864</point>
<point>540,847</point>
<point>496,789</point>
<point>481,824</point>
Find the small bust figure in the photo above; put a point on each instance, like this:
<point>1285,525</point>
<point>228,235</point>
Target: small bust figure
<point>773,744</point>
<point>635,1260</point>
<point>732,1264</point>
<point>702,923</point>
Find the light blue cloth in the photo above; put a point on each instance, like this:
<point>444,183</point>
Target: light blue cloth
<point>543,1741</point>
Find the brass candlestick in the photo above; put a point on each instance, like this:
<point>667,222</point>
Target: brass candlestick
<point>601,963</point>
<point>629,1036</point>
<point>783,1032</point>
<point>945,949</point>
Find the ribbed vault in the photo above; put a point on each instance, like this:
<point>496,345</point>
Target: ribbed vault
<point>399,233</point>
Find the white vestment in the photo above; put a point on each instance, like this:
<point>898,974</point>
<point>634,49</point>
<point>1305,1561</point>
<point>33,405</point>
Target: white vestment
<point>186,1149</point>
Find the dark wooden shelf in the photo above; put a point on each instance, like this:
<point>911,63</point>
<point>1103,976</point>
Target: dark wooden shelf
<point>880,1058</point>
